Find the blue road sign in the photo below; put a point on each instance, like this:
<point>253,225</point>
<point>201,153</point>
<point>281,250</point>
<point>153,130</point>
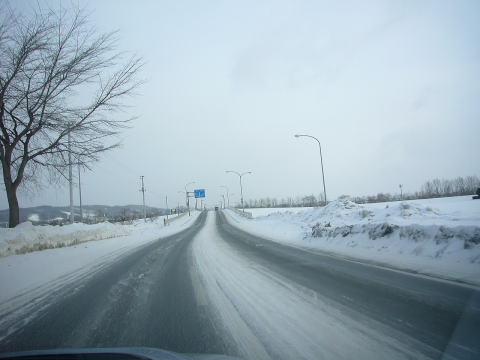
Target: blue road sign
<point>199,193</point>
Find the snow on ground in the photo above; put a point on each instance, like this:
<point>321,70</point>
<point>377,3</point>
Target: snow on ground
<point>256,212</point>
<point>26,237</point>
<point>24,274</point>
<point>34,217</point>
<point>245,297</point>
<point>439,237</point>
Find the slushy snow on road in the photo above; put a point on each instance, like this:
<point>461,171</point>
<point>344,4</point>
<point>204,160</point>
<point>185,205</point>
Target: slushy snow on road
<point>271,317</point>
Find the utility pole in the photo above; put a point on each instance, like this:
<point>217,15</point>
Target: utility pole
<point>80,192</point>
<point>401,191</point>
<point>143,195</point>
<point>223,197</point>
<point>166,204</point>
<point>70,177</point>
<point>188,196</point>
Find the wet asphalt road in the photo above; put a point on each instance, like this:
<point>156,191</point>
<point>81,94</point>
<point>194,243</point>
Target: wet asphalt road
<point>147,299</point>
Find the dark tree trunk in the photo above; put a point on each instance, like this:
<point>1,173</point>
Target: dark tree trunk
<point>11,190</point>
<point>14,210</point>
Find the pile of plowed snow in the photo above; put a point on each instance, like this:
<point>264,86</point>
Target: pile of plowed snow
<point>26,237</point>
<point>417,235</point>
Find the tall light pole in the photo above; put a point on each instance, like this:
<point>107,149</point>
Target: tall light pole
<point>321,162</point>
<point>143,195</point>
<point>241,188</point>
<point>188,197</point>
<point>166,204</point>
<point>80,192</point>
<point>228,195</point>
<point>70,177</point>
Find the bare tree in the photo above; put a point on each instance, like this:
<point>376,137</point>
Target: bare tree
<point>59,79</point>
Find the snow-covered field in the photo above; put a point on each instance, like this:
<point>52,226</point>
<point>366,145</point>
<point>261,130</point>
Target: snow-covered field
<point>257,212</point>
<point>22,274</point>
<point>439,237</point>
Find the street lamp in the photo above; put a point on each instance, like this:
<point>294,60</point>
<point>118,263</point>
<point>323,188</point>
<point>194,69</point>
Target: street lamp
<point>241,188</point>
<point>188,197</point>
<point>321,162</point>
<point>228,195</point>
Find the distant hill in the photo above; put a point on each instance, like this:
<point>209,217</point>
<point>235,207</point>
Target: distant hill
<point>60,214</point>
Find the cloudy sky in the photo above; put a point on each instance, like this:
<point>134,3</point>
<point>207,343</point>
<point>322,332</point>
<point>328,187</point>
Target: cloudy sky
<point>391,89</point>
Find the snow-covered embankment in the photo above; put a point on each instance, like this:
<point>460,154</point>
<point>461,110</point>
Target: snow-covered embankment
<point>439,237</point>
<point>26,237</point>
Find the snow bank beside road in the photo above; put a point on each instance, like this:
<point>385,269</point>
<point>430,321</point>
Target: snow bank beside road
<point>411,235</point>
<point>257,212</point>
<point>26,237</point>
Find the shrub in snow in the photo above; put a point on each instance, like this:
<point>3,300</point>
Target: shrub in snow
<point>377,231</point>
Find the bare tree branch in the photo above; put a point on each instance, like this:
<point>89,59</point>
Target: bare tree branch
<point>58,77</point>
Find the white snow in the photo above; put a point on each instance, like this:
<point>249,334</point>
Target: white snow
<point>26,237</point>
<point>271,317</point>
<point>257,212</point>
<point>439,237</point>
<point>22,275</point>
<point>34,217</point>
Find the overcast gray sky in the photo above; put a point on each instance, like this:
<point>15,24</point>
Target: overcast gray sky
<point>391,89</point>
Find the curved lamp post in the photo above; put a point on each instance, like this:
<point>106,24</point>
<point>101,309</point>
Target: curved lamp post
<point>241,188</point>
<point>321,162</point>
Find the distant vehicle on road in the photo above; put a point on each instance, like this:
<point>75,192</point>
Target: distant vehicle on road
<point>216,208</point>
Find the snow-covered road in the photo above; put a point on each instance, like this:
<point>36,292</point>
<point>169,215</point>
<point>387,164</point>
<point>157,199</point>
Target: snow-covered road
<point>272,317</point>
<point>214,288</point>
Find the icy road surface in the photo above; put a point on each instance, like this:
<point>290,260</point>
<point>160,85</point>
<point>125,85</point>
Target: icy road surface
<point>214,288</point>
